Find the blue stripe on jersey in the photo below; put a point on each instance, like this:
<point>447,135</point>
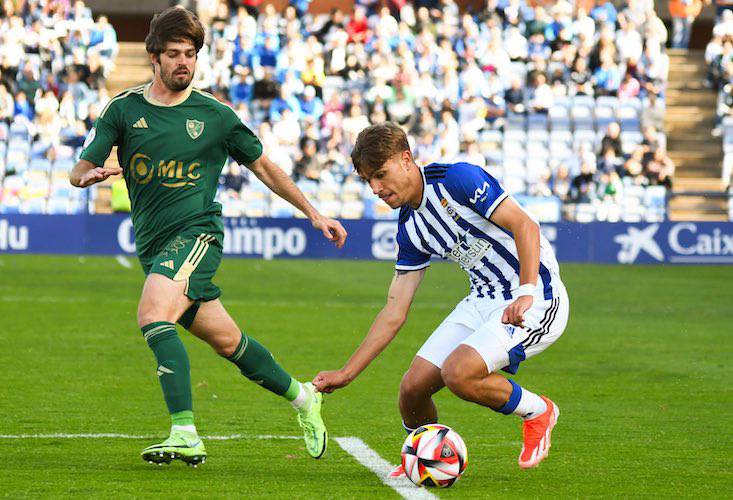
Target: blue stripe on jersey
<point>544,272</point>
<point>502,250</point>
<point>434,233</point>
<point>422,240</point>
<point>405,212</point>
<point>505,284</point>
<point>487,282</point>
<point>437,216</point>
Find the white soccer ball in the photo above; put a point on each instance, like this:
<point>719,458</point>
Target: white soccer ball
<point>434,455</point>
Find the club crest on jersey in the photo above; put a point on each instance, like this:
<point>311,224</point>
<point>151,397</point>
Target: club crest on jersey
<point>448,208</point>
<point>194,128</point>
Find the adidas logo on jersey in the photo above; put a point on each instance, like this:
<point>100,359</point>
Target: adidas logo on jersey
<point>168,264</point>
<point>141,123</point>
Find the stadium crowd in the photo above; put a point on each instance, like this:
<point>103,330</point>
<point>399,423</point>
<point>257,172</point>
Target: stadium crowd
<point>719,56</point>
<point>563,103</point>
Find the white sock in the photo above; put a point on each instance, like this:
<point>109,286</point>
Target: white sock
<point>530,405</point>
<point>303,399</point>
<point>187,428</point>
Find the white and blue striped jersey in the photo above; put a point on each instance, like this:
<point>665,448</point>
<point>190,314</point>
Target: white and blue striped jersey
<point>452,222</point>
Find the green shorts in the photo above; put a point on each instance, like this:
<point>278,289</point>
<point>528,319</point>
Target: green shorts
<point>192,256</point>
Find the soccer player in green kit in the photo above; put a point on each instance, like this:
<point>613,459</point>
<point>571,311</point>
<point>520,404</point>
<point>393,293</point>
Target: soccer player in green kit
<point>173,142</point>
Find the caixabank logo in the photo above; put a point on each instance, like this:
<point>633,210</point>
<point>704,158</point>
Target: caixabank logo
<point>681,242</point>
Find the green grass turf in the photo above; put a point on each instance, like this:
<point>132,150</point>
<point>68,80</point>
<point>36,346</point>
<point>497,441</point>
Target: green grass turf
<point>642,377</point>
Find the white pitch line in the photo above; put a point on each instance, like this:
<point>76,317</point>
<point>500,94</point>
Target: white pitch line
<point>379,466</point>
<point>133,436</point>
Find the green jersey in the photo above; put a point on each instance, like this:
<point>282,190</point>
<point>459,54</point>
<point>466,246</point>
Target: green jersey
<point>171,156</point>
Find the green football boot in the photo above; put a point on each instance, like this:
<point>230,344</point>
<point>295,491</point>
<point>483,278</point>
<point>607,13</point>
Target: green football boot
<point>180,445</point>
<point>314,430</point>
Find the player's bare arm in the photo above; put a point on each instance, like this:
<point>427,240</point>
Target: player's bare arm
<point>384,328</point>
<point>86,173</point>
<point>527,238</point>
<point>279,182</point>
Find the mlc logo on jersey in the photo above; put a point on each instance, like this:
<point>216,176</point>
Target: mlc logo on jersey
<point>174,173</point>
<point>635,240</point>
<point>194,128</point>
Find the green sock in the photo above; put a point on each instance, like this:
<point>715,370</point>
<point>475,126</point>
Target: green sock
<point>257,364</point>
<point>182,418</point>
<point>174,371</point>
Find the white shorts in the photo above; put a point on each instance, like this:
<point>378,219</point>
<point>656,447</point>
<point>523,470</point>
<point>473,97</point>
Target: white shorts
<point>476,322</point>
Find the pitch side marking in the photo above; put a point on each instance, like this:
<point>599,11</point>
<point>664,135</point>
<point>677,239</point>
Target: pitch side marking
<point>133,436</point>
<point>379,466</point>
<point>351,445</point>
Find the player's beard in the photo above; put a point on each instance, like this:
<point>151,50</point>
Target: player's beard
<point>176,83</point>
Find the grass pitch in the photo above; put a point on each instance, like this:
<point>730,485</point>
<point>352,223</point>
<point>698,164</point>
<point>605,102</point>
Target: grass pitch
<point>642,377</point>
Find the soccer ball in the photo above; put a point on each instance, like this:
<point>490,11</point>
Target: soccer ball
<point>434,455</point>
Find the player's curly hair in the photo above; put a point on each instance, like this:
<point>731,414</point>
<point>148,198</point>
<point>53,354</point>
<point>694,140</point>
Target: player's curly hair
<point>174,24</point>
<point>376,144</point>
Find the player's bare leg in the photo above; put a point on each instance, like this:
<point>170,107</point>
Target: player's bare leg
<point>162,302</point>
<point>466,375</point>
<point>215,326</point>
<point>420,382</point>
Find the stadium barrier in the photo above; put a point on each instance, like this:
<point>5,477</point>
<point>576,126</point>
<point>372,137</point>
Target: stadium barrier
<point>642,243</point>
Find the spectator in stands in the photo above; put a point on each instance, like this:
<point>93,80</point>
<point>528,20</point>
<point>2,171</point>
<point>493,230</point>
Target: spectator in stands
<point>561,182</point>
<point>629,87</point>
<point>607,78</point>
<point>7,104</point>
<point>541,97</point>
<point>650,143</point>
<point>584,188</point>
<point>311,106</point>
<point>612,140</point>
<point>307,166</point>
<point>633,172</point>
<point>233,181</point>
<point>514,97</point>
<point>683,14</point>
<point>660,169</point>
<point>653,113</point>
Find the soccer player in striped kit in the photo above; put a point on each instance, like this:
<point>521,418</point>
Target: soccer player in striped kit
<point>516,308</point>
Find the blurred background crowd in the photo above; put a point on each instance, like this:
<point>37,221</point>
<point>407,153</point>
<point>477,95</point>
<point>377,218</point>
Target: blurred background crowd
<point>563,102</point>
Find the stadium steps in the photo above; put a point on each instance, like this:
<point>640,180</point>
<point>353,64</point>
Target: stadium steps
<point>132,67</point>
<point>690,116</point>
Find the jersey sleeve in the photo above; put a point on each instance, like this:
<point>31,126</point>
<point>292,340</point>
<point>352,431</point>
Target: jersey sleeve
<point>104,134</point>
<point>241,143</point>
<point>472,186</point>
<point>409,257</point>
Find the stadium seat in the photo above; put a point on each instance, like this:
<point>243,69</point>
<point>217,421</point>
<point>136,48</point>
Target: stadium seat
<point>559,118</point>
<point>19,130</point>
<point>582,117</point>
<point>538,136</point>
<point>537,122</point>
<point>515,135</point>
<point>515,122</point>
<point>607,101</point>
<point>628,118</point>
<point>585,101</point>
<point>604,116</point>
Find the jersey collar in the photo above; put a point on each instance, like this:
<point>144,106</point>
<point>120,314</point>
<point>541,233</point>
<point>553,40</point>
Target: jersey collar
<point>424,199</point>
<point>155,102</point>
